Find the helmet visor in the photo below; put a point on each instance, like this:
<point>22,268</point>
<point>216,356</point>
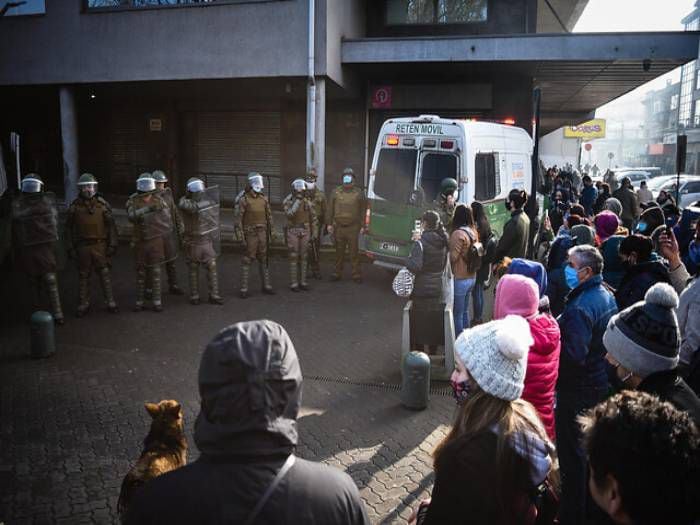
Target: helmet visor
<point>31,185</point>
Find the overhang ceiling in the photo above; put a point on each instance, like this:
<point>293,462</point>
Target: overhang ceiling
<point>556,16</point>
<point>577,73</point>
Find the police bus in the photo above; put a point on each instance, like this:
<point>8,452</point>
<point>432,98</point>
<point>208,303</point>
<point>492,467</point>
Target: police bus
<point>414,155</point>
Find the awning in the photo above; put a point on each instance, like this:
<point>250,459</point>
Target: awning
<point>577,72</point>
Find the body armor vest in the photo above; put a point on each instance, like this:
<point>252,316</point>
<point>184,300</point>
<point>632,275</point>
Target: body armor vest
<point>255,211</point>
<point>90,220</point>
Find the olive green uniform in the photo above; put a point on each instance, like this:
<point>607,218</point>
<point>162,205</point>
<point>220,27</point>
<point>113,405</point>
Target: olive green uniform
<point>149,253</point>
<point>92,236</point>
<point>254,219</point>
<point>170,268</point>
<point>444,209</point>
<point>345,213</point>
<point>199,247</point>
<point>318,201</point>
<point>302,227</point>
<point>35,234</point>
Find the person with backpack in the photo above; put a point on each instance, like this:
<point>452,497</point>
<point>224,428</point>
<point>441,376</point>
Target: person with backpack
<point>483,275</point>
<point>465,260</point>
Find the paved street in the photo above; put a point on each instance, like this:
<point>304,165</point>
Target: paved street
<point>71,426</point>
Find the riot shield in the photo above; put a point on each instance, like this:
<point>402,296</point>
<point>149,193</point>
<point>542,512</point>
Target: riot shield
<point>35,218</point>
<point>203,230</point>
<point>157,240</point>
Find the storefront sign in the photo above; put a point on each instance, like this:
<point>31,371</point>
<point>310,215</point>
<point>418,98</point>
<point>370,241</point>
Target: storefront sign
<point>593,129</point>
<point>381,97</point>
<point>155,124</point>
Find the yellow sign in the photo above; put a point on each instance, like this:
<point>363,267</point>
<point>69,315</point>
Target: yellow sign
<point>593,129</point>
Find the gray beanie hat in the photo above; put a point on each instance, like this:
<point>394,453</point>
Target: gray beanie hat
<point>644,338</point>
<point>614,206</point>
<point>582,234</point>
<point>495,355</point>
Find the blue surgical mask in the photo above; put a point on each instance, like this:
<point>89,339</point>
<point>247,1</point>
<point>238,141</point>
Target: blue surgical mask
<point>347,179</point>
<point>571,276</point>
<point>460,390</point>
<point>642,227</point>
<point>694,252</point>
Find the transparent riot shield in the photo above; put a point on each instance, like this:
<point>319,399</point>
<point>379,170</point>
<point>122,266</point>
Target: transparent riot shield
<point>35,218</point>
<point>203,226</point>
<point>156,236</point>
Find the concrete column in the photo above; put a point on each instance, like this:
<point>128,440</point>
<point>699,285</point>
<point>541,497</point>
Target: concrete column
<point>69,141</point>
<point>320,159</point>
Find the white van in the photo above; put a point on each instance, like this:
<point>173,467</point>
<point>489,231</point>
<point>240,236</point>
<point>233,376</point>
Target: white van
<point>414,155</point>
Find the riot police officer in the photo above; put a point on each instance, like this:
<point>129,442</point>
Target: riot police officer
<point>345,212</point>
<point>165,192</point>
<point>200,212</point>
<point>446,201</point>
<point>301,228</point>
<point>253,217</point>
<point>318,200</point>
<point>92,239</point>
<point>35,234</point>
<point>153,238</point>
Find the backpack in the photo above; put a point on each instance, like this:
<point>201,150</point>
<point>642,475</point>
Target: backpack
<point>473,256</point>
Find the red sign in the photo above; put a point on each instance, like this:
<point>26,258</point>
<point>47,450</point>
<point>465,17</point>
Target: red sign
<point>381,97</point>
<point>588,147</point>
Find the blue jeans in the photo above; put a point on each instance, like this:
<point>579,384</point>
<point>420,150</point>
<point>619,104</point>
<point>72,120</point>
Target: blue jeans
<point>478,298</point>
<point>461,305</point>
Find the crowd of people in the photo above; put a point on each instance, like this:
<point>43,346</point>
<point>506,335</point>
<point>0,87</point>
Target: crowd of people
<point>592,348</point>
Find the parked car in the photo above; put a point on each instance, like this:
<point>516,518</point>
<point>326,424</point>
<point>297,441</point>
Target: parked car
<point>636,176</point>
<point>689,189</point>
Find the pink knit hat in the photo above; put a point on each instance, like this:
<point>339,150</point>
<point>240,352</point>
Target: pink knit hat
<point>516,295</point>
<point>606,224</point>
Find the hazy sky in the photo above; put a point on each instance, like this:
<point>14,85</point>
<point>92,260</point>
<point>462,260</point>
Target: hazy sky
<point>634,15</point>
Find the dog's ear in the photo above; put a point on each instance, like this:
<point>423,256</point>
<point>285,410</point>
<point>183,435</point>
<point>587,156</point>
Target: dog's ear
<point>153,409</point>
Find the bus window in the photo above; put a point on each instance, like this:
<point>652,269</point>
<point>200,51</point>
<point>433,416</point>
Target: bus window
<point>396,169</point>
<point>434,169</point>
<point>487,181</point>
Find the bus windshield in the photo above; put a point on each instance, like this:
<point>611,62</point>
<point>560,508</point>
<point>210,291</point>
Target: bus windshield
<point>395,172</point>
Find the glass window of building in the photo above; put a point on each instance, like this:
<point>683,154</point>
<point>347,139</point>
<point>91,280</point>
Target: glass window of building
<point>697,83</point>
<point>111,4</point>
<point>28,7</point>
<point>406,12</point>
<point>686,99</point>
<point>696,114</point>
<point>674,102</point>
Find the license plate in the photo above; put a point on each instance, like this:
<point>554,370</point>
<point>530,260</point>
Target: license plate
<point>389,247</point>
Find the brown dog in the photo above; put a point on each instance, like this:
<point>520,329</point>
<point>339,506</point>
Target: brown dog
<point>164,449</point>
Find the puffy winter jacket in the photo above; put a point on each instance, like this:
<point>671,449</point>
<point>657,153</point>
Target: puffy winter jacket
<point>638,279</point>
<point>543,368</point>
<point>427,262</point>
<point>613,269</point>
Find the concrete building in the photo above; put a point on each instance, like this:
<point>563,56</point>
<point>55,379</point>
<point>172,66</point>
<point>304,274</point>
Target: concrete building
<point>689,102</point>
<point>661,127</point>
<point>220,88</point>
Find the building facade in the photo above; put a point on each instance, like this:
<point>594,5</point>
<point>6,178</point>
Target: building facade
<point>219,88</point>
<point>689,102</point>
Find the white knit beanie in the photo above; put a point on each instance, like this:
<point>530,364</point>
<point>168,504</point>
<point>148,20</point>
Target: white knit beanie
<point>495,355</point>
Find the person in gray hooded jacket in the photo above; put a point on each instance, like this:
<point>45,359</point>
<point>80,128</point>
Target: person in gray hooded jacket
<point>250,387</point>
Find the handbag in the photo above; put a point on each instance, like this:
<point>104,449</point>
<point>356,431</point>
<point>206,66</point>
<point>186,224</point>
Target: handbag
<point>403,283</point>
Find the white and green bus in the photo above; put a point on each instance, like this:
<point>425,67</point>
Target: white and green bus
<point>414,155</point>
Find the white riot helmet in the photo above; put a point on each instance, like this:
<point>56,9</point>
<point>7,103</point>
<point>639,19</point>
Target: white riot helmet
<point>298,185</point>
<point>32,183</point>
<point>195,185</point>
<point>145,183</point>
<point>256,181</point>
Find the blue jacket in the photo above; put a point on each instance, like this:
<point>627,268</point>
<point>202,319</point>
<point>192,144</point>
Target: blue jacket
<point>588,198</point>
<point>588,309</point>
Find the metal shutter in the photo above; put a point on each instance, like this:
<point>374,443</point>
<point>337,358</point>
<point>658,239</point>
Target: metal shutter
<point>232,144</point>
<point>129,153</point>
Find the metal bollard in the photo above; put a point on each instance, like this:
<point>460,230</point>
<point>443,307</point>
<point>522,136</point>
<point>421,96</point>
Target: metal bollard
<point>415,380</point>
<point>43,343</point>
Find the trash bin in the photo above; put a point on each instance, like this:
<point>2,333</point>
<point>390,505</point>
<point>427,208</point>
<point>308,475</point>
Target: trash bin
<point>42,341</point>
<point>415,380</point>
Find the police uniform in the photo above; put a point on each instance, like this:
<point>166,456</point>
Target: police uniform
<point>318,201</point>
<point>346,209</point>
<point>301,228</point>
<point>92,235</point>
<point>254,217</point>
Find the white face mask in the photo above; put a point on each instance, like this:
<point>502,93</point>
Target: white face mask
<point>347,179</point>
<point>88,190</point>
<point>455,196</point>
<point>310,185</point>
<point>257,187</point>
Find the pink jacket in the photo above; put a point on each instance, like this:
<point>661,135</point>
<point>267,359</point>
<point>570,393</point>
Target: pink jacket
<point>543,368</point>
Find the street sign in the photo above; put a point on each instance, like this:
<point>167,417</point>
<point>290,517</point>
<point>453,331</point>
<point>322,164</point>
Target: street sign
<point>588,147</point>
<point>381,97</point>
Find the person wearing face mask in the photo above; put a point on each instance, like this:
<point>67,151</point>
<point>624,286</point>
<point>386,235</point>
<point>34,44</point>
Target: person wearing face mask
<point>643,344</point>
<point>253,217</point>
<point>689,317</point>
<point>643,268</point>
<point>513,242</point>
<point>346,211</point>
<point>34,237</point>
<point>301,229</point>
<point>91,235</point>
<point>583,380</point>
<point>446,201</point>
<point>649,220</point>
<point>318,200</point>
<point>497,452</point>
